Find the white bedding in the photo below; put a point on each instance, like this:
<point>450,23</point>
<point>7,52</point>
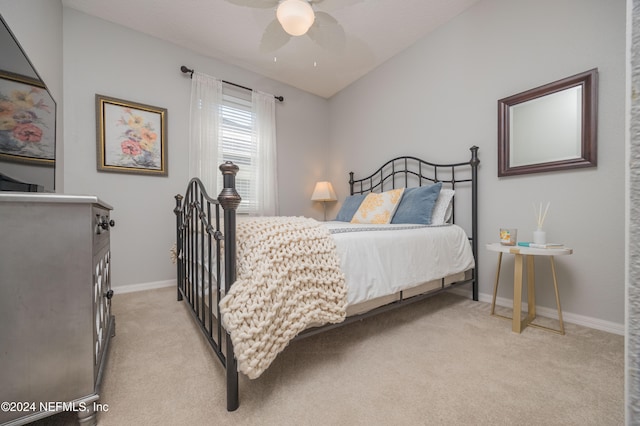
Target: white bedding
<point>381,262</point>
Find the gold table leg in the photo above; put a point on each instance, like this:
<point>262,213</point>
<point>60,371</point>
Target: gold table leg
<point>516,325</point>
<point>495,285</point>
<point>516,319</point>
<point>531,289</point>
<point>555,285</point>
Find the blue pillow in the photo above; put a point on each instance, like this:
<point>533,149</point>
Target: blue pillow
<point>350,207</point>
<point>417,204</point>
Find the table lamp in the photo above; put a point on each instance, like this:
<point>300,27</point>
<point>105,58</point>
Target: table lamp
<point>324,192</point>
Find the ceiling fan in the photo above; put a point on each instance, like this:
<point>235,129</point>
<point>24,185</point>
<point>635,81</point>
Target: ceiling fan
<point>295,18</point>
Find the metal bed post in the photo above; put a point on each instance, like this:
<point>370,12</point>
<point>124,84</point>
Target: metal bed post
<point>350,183</point>
<point>474,216</point>
<point>229,199</point>
<point>179,216</point>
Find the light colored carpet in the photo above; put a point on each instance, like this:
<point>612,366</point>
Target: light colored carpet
<point>442,361</point>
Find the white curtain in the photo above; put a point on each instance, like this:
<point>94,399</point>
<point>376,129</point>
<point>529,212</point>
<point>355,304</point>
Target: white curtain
<point>205,145</point>
<point>266,179</point>
<point>206,98</point>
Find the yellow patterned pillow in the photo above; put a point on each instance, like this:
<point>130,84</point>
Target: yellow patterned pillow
<point>378,208</point>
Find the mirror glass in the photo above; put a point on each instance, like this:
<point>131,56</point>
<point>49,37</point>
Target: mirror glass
<point>552,127</point>
<point>27,121</point>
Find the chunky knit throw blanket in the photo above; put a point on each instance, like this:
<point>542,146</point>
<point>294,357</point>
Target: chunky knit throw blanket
<point>288,279</point>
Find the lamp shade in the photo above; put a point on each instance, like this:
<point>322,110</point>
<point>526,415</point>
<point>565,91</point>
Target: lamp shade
<point>323,192</point>
<point>295,16</point>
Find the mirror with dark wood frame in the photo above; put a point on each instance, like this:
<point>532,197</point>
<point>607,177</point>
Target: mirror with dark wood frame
<point>27,121</point>
<point>552,127</point>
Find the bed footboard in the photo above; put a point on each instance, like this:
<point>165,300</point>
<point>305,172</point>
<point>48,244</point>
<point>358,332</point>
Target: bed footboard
<point>202,279</point>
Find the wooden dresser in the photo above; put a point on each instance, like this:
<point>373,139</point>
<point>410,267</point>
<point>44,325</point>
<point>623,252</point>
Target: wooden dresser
<point>55,305</point>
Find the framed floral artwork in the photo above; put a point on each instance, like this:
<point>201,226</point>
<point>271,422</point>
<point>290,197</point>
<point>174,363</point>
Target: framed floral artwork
<point>27,121</point>
<point>131,137</point>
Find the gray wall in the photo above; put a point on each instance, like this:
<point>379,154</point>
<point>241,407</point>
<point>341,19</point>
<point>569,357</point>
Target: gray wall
<point>439,97</point>
<point>103,58</point>
<point>435,99</point>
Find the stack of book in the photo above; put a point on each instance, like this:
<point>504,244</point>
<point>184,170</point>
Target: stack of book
<point>542,246</point>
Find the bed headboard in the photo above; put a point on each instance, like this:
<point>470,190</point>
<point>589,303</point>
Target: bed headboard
<point>407,171</point>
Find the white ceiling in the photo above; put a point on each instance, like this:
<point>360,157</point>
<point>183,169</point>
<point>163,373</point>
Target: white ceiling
<point>375,31</point>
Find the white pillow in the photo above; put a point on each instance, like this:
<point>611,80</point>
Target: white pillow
<point>443,208</point>
<point>378,208</point>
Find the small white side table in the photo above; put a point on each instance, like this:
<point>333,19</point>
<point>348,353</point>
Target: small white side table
<point>520,253</point>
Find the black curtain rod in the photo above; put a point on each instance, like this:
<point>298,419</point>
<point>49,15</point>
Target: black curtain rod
<point>190,71</point>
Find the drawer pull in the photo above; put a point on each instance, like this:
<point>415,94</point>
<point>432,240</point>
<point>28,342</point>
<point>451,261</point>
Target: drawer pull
<point>109,294</point>
<point>104,224</point>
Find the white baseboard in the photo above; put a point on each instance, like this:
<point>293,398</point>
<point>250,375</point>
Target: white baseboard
<point>595,323</point>
<point>130,288</point>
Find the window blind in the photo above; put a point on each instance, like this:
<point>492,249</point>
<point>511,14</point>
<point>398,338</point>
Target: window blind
<point>236,144</point>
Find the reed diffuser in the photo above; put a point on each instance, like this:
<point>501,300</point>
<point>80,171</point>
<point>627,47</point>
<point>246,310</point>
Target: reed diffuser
<point>539,235</point>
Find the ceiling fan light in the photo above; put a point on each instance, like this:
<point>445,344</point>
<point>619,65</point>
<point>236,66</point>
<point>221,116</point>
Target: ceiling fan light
<point>295,16</point>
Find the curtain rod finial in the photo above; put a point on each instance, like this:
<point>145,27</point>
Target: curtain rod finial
<point>186,70</point>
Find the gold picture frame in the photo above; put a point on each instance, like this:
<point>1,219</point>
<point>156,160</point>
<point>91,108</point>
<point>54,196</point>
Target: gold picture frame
<point>131,137</point>
<point>27,121</point>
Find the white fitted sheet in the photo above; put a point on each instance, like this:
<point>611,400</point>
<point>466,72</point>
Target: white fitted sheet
<point>394,258</point>
<point>382,260</point>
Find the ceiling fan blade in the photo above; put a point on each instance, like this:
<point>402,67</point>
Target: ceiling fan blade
<point>274,37</point>
<point>327,32</point>
<point>261,4</point>
<point>334,4</point>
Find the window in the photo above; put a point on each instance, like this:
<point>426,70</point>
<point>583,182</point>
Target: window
<point>232,124</point>
<point>237,144</point>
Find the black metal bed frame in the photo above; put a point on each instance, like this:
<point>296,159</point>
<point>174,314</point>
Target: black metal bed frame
<point>198,228</point>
